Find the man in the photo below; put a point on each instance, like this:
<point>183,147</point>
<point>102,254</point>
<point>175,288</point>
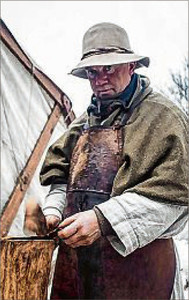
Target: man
<point>123,167</point>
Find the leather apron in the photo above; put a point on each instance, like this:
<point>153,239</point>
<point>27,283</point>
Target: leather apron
<point>98,271</point>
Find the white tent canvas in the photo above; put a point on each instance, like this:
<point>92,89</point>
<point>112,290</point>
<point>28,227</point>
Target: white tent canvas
<point>25,109</point>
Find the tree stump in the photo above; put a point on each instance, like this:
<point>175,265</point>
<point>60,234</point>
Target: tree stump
<point>25,268</point>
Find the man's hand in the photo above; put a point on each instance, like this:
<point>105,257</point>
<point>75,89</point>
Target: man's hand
<point>52,222</point>
<point>81,229</point>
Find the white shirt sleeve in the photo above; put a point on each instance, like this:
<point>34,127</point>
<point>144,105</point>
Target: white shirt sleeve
<point>55,201</point>
<point>138,221</point>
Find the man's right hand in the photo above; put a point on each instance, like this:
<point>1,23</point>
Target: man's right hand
<point>52,222</point>
<point>36,222</point>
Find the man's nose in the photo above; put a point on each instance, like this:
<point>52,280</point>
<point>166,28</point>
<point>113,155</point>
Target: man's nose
<point>101,79</point>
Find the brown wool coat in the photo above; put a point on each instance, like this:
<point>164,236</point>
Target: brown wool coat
<point>155,152</point>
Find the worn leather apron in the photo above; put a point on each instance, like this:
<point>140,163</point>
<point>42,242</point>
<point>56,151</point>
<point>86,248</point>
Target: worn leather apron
<point>98,271</point>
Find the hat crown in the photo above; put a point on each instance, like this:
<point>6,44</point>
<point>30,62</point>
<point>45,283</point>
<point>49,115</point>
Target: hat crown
<point>105,35</point>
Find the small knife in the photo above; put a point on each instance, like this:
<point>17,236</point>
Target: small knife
<point>53,234</point>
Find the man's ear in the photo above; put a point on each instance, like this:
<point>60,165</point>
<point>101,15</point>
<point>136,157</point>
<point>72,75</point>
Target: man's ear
<point>132,67</point>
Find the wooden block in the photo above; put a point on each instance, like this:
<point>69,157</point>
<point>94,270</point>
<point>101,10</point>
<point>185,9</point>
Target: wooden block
<point>25,268</point>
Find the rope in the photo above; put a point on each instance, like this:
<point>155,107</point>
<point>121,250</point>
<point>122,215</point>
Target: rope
<point>68,115</point>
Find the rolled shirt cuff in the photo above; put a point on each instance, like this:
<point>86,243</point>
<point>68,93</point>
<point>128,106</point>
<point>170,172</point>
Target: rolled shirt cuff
<point>138,221</point>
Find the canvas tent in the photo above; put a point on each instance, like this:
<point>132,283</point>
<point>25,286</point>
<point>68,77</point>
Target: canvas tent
<point>34,112</point>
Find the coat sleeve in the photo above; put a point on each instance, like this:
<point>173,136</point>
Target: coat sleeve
<point>155,155</point>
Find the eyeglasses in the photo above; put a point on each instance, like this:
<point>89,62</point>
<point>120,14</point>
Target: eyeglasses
<point>107,70</point>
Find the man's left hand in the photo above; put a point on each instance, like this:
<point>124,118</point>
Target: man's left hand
<point>81,229</point>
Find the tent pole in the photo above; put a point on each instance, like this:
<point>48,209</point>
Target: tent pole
<point>27,173</point>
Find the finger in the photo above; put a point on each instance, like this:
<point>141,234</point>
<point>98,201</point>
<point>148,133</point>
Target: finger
<point>68,231</point>
<point>52,218</point>
<point>73,240</point>
<point>50,226</point>
<point>77,241</point>
<point>52,221</point>
<point>68,221</point>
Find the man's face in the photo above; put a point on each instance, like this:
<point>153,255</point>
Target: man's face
<point>109,81</point>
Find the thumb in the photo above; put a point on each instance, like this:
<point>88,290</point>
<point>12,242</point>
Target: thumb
<point>68,221</point>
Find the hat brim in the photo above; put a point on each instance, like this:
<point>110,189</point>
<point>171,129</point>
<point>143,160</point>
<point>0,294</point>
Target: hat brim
<point>107,59</point>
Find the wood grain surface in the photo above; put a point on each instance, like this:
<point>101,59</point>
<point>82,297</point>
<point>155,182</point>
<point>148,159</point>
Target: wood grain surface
<point>25,268</point>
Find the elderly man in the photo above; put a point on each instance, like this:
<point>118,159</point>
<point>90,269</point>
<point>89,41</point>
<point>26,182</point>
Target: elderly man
<point>118,181</point>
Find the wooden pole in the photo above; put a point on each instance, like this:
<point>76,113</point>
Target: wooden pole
<point>27,173</point>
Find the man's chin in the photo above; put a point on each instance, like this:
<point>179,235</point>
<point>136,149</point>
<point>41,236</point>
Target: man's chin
<point>108,95</point>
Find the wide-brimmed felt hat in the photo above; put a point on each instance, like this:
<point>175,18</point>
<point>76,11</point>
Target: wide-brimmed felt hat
<point>106,44</point>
